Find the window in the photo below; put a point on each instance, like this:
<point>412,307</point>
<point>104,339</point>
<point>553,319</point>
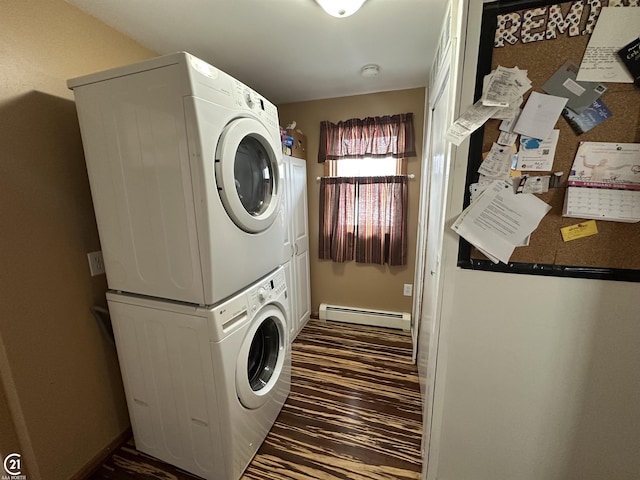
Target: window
<point>363,197</point>
<point>364,167</point>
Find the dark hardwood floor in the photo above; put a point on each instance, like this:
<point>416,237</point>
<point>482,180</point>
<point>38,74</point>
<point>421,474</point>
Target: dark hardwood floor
<point>353,413</point>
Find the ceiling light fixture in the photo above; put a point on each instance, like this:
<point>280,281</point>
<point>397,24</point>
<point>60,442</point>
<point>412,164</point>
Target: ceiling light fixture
<point>340,8</point>
<point>370,71</point>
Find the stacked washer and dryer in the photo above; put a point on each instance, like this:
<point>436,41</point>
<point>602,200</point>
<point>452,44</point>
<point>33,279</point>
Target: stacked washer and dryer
<point>184,164</point>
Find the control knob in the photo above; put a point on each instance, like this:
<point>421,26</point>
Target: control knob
<point>262,295</point>
<point>248,98</point>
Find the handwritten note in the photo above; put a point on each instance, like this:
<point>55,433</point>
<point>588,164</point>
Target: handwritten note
<point>615,28</point>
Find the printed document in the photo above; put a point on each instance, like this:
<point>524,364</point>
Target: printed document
<point>536,155</point>
<point>539,115</point>
<point>499,220</point>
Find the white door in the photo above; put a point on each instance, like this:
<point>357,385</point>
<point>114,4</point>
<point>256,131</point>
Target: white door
<point>297,242</point>
<point>247,175</point>
<point>430,317</point>
<point>289,247</point>
<point>300,240</point>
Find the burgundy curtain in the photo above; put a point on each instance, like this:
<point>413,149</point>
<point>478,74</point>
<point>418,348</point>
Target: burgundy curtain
<point>381,236</point>
<point>376,137</point>
<point>364,218</point>
<point>337,218</point>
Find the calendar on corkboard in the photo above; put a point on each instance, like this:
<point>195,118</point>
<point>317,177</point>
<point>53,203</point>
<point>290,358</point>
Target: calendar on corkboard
<point>548,40</point>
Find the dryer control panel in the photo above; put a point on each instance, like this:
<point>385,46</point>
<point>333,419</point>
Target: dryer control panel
<point>248,99</point>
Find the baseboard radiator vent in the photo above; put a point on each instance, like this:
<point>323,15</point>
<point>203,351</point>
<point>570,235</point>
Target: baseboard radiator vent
<point>361,316</point>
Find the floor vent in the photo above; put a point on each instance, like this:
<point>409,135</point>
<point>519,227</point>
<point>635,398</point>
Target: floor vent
<point>376,318</point>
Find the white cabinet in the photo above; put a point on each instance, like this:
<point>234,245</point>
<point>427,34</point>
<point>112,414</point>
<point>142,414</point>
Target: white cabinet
<point>297,242</point>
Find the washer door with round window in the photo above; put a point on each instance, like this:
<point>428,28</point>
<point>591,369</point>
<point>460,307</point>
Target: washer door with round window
<point>247,175</point>
<point>261,357</point>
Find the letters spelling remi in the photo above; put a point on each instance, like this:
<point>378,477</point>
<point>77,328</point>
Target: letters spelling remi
<point>544,23</point>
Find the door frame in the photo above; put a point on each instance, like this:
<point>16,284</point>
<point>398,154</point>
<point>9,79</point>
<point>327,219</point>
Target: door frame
<point>435,283</point>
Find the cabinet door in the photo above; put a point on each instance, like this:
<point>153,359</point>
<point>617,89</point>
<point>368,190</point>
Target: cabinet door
<point>300,239</point>
<point>289,266</point>
<point>303,292</point>
<point>292,293</point>
<point>288,209</point>
<point>299,201</point>
<point>297,242</point>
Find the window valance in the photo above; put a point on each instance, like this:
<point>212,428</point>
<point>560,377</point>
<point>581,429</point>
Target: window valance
<point>375,137</point>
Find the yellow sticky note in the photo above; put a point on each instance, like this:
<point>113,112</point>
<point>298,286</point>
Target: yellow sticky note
<point>579,230</point>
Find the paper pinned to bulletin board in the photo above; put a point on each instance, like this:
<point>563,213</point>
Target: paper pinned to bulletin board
<point>539,38</point>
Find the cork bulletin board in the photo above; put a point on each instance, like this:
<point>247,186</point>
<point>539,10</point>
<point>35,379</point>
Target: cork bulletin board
<point>540,36</point>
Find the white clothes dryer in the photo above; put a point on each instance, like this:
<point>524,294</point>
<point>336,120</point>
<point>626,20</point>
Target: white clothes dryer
<point>184,164</point>
<point>205,385</point>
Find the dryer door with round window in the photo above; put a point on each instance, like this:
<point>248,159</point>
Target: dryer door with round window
<point>261,357</point>
<point>247,175</point>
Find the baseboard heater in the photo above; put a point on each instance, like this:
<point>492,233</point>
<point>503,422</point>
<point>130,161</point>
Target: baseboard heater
<point>376,318</point>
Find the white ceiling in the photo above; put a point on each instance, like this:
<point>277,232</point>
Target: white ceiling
<point>288,50</point>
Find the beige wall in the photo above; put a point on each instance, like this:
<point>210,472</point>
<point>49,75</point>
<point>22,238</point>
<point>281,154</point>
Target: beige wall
<point>8,435</point>
<point>60,377</point>
<point>353,284</point>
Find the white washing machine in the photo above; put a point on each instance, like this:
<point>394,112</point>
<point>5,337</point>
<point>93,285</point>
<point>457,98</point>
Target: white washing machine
<point>185,166</point>
<point>205,385</point>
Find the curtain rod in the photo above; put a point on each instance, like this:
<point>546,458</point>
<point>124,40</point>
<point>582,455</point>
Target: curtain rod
<point>410,175</point>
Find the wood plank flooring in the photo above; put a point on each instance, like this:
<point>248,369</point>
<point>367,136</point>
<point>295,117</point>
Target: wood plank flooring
<point>353,413</point>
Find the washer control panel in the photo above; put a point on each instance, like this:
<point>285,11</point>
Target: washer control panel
<point>266,291</point>
<point>231,314</point>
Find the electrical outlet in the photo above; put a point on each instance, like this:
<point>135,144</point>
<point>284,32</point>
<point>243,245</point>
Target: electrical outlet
<point>408,289</point>
<point>96,263</point>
